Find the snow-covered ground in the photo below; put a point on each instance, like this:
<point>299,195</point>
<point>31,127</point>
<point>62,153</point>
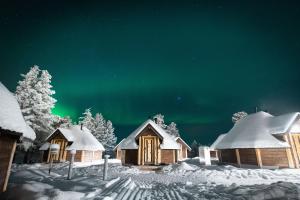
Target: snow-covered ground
<point>187,180</point>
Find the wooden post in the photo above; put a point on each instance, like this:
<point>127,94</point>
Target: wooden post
<point>258,158</point>
<point>72,152</point>
<point>158,152</point>
<point>238,157</point>
<point>290,157</point>
<point>297,146</point>
<point>13,149</point>
<point>143,151</point>
<point>139,150</point>
<point>288,138</point>
<point>105,167</point>
<point>174,155</point>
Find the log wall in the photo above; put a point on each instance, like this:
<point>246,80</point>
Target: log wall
<point>167,156</point>
<point>248,156</point>
<point>274,157</point>
<point>78,156</point>
<point>7,150</point>
<point>228,155</point>
<point>131,156</point>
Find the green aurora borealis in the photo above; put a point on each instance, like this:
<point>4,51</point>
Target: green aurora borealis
<point>196,62</point>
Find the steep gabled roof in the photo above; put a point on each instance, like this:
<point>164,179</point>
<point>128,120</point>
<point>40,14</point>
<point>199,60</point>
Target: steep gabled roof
<point>168,142</point>
<point>257,130</point>
<point>179,138</point>
<point>81,139</point>
<point>11,117</point>
<point>118,144</point>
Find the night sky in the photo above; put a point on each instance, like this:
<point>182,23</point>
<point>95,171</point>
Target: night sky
<point>196,62</point>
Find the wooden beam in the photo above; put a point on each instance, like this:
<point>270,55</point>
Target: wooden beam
<point>290,157</point>
<point>158,151</point>
<point>139,150</point>
<point>293,150</point>
<point>143,152</point>
<point>237,153</point>
<point>258,158</point>
<point>9,165</point>
<point>174,156</point>
<point>295,138</point>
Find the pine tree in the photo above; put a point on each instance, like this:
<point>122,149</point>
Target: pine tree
<point>172,129</point>
<point>109,139</point>
<point>34,95</point>
<point>238,116</point>
<point>99,127</point>
<point>87,120</point>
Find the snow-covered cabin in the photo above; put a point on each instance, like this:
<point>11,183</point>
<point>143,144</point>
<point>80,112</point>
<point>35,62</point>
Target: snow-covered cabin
<point>262,140</point>
<point>13,128</point>
<point>149,144</point>
<point>77,137</point>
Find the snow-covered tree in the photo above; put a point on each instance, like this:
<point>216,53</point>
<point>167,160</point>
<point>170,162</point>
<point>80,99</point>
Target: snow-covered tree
<point>239,115</point>
<point>87,120</point>
<point>109,139</point>
<point>99,127</point>
<point>34,94</point>
<point>63,122</point>
<point>159,119</point>
<point>103,130</point>
<point>172,129</point>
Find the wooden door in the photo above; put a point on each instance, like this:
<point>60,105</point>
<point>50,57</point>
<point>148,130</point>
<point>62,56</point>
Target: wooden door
<point>60,156</point>
<point>149,151</point>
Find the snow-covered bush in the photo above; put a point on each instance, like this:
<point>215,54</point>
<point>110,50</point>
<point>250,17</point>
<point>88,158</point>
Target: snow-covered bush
<point>239,115</point>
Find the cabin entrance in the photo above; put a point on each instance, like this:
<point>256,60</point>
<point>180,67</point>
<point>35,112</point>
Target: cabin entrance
<point>62,147</point>
<point>149,150</point>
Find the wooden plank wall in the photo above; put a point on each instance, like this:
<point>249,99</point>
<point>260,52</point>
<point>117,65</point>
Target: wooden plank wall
<point>274,157</point>
<point>131,156</point>
<point>7,150</point>
<point>78,156</point>
<point>228,155</point>
<point>248,156</point>
<point>167,156</point>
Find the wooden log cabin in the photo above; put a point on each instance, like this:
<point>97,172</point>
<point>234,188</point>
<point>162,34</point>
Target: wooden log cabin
<point>88,148</point>
<point>149,144</point>
<point>13,129</point>
<point>262,140</point>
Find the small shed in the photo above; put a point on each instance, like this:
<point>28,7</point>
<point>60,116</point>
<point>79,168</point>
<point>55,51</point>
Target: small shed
<point>149,144</point>
<point>262,140</point>
<point>77,137</point>
<point>13,129</point>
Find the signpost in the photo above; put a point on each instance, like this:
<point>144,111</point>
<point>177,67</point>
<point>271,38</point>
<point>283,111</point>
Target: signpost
<point>105,167</point>
<point>54,150</point>
<point>72,152</point>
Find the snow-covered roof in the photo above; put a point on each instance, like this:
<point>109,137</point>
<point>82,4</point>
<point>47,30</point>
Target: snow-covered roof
<point>168,142</point>
<point>188,147</point>
<point>296,127</point>
<point>257,130</point>
<point>45,146</point>
<point>81,139</point>
<point>118,144</point>
<point>219,138</point>
<point>11,117</point>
